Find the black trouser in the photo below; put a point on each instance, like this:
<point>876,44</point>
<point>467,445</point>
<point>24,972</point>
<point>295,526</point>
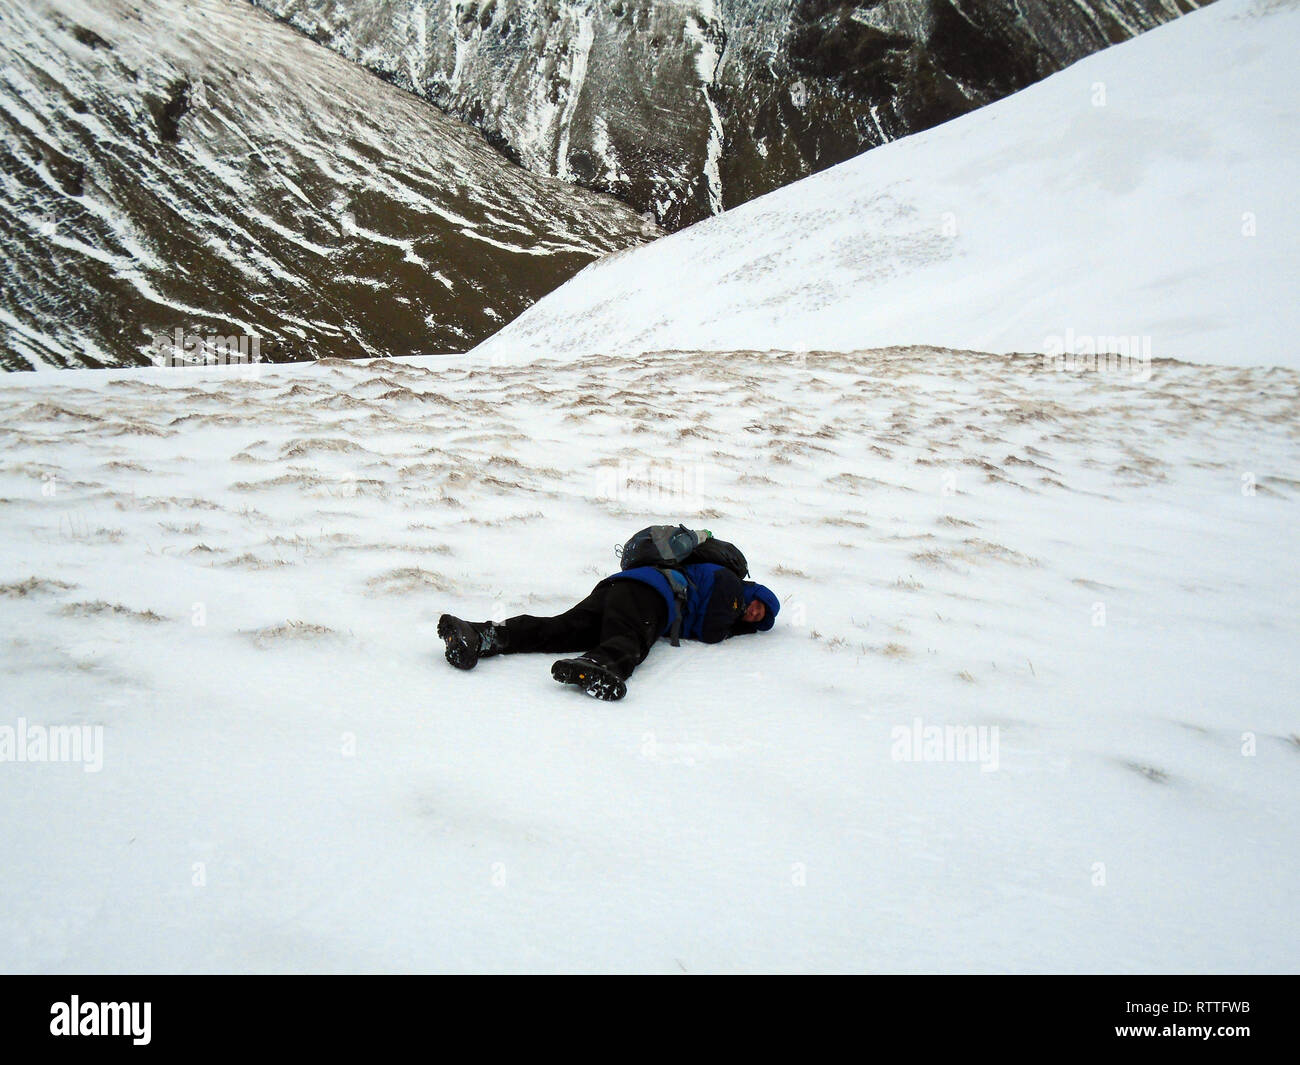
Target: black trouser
<point>616,625</point>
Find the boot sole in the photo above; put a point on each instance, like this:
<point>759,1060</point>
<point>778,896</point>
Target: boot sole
<point>594,681</point>
<point>459,653</point>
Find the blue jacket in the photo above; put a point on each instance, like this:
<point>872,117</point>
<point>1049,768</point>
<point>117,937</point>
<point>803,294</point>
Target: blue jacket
<point>716,598</point>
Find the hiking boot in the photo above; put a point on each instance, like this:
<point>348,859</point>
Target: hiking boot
<point>597,680</point>
<point>468,641</point>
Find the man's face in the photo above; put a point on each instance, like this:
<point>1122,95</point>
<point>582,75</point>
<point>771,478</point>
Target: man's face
<point>755,611</point>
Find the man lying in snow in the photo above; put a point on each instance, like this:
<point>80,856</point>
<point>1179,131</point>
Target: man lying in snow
<point>618,623</point>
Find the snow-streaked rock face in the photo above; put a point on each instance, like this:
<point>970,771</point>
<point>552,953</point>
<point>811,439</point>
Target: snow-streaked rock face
<point>686,108</point>
<point>237,579</point>
<point>1141,201</point>
<point>199,166</point>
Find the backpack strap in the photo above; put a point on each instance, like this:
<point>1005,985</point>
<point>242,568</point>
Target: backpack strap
<point>680,584</point>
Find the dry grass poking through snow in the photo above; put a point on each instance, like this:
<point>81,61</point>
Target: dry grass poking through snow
<point>910,473</point>
<point>240,577</point>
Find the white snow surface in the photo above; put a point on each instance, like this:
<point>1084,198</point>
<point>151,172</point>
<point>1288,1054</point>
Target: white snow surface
<point>1144,196</point>
<point>236,574</point>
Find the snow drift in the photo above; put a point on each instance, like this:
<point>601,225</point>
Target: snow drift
<point>1145,193</point>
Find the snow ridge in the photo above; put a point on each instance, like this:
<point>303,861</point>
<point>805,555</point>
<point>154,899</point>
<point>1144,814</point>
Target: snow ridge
<point>1120,198</point>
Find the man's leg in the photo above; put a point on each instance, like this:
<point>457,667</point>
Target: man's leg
<point>577,629</point>
<point>633,617</point>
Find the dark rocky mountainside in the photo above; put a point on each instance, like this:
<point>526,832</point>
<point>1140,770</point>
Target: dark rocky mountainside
<point>196,165</point>
<point>684,109</point>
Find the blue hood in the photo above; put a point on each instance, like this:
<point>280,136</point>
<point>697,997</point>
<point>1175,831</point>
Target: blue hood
<point>763,592</point>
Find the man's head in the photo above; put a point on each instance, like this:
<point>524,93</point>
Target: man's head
<point>761,607</point>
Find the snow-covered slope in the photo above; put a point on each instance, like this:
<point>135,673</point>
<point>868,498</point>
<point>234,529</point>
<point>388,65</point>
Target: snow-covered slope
<point>684,107</point>
<point>196,165</point>
<point>237,578</point>
<point>1146,193</point>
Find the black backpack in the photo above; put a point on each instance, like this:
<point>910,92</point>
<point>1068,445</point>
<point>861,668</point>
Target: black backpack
<point>670,548</point>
